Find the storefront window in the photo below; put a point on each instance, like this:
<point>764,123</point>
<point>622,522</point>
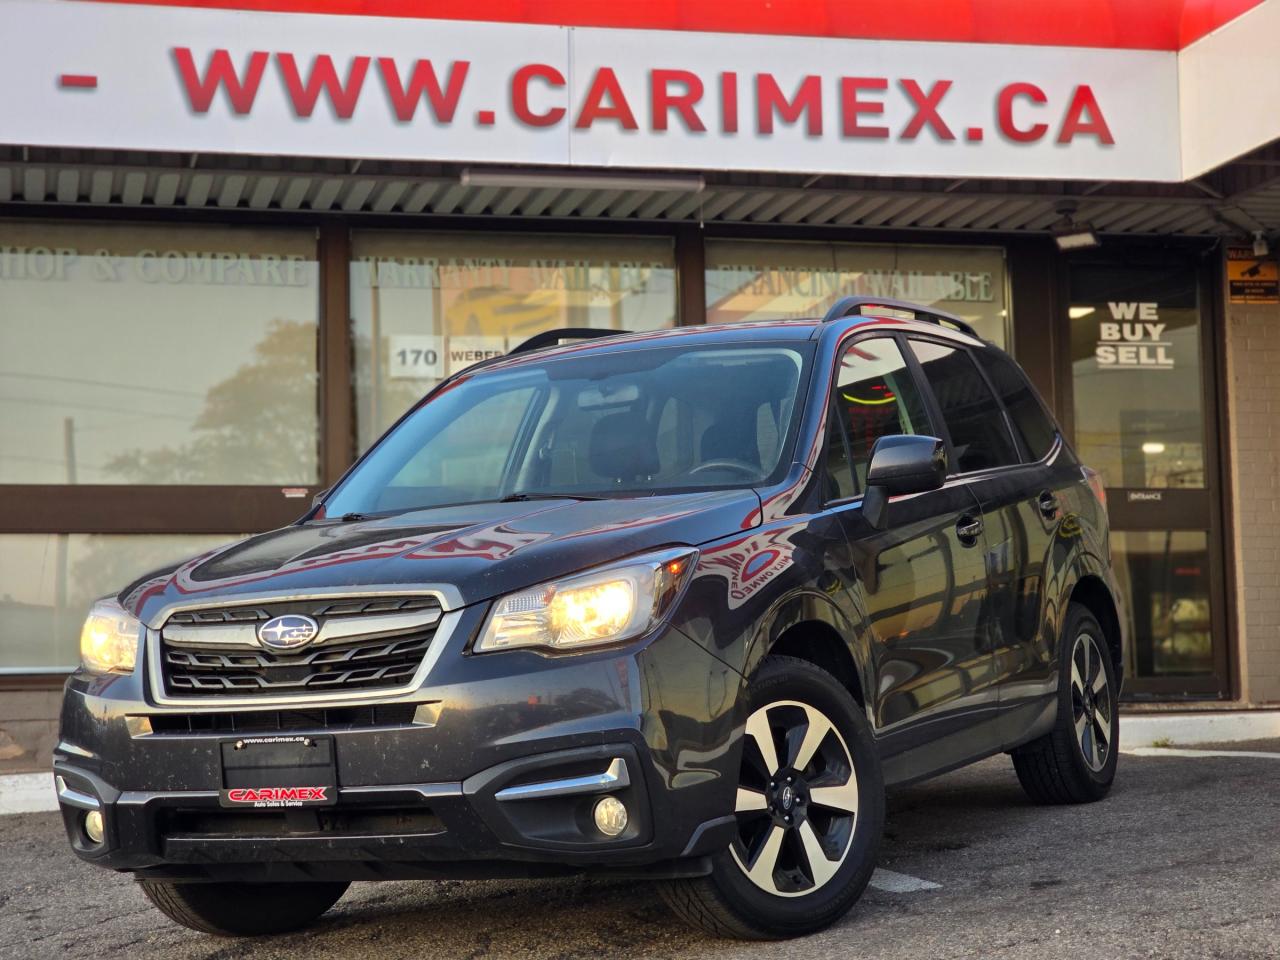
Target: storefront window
<point>1135,355</point>
<point>425,305</point>
<point>760,280</point>
<point>49,580</point>
<point>1166,574</point>
<point>157,355</point>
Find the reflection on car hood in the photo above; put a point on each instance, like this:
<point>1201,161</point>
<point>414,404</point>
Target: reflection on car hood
<point>475,552</point>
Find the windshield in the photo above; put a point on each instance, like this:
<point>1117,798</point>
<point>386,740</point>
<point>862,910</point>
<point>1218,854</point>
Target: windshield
<point>631,422</point>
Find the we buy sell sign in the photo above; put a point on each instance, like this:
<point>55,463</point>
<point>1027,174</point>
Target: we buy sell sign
<point>156,78</point>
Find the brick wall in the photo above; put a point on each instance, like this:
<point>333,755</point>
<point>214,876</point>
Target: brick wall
<point>1253,404</point>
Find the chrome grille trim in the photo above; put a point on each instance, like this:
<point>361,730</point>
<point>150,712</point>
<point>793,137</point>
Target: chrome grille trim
<point>241,635</point>
<point>444,624</point>
<point>445,594</point>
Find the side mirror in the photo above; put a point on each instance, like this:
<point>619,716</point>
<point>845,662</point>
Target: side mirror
<point>901,465</point>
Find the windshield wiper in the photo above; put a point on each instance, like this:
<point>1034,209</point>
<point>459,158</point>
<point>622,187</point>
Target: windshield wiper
<point>536,495</point>
<point>354,517</point>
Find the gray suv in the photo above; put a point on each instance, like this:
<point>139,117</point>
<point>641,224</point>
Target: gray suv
<point>675,605</point>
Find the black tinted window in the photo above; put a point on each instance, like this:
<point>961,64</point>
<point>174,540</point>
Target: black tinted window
<point>1025,409</point>
<point>979,436</point>
<point>875,397</point>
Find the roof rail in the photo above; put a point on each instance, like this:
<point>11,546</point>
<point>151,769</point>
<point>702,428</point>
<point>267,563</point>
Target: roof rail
<point>550,338</point>
<point>853,307</point>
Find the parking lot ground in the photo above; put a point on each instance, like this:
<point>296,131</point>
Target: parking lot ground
<point>1182,861</point>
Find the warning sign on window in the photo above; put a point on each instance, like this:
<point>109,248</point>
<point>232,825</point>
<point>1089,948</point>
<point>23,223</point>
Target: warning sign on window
<point>1251,279</point>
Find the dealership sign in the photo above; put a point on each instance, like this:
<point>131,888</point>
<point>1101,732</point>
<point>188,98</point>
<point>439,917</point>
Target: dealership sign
<point>156,78</point>
<point>1133,339</point>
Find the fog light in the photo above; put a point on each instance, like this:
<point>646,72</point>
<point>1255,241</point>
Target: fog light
<point>611,816</point>
<point>93,826</point>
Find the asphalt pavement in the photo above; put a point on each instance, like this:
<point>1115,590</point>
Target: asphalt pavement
<point>1182,861</point>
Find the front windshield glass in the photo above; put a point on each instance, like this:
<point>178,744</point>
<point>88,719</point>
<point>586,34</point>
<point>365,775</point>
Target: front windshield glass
<point>631,422</point>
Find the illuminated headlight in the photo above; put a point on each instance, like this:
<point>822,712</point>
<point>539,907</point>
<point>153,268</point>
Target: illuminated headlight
<point>608,605</point>
<point>109,639</point>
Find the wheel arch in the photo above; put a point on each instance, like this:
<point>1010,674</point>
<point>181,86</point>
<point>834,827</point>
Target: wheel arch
<point>822,645</point>
<point>1092,593</point>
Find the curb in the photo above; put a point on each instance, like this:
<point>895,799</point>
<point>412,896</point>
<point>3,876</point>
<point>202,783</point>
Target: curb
<point>1185,729</point>
<point>27,793</point>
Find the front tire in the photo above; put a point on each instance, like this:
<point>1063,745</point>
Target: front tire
<point>243,909</point>
<point>1076,761</point>
<point>810,811</point>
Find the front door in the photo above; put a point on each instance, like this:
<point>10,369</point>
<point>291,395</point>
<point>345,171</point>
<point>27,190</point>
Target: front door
<point>922,577</point>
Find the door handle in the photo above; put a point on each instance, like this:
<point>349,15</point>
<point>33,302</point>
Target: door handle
<point>1048,505</point>
<point>969,529</point>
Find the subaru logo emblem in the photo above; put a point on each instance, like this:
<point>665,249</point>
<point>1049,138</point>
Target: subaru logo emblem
<point>288,632</point>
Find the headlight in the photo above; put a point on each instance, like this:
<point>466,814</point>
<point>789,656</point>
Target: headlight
<point>109,639</point>
<point>608,605</point>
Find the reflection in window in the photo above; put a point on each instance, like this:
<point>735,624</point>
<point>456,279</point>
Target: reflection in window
<point>875,397</point>
<point>427,305</point>
<point>622,422</point>
<point>979,436</point>
<point>1035,429</point>
<point>1165,574</point>
<point>48,582</point>
<point>758,280</point>
<point>1135,360</point>
<point>136,354</point>
<point>468,455</point>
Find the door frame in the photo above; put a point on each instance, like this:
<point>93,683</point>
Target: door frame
<point>1168,514</point>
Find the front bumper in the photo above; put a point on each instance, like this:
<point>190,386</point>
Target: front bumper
<point>431,797</point>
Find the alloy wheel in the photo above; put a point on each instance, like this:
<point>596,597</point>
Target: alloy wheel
<point>1091,702</point>
<point>797,801</point>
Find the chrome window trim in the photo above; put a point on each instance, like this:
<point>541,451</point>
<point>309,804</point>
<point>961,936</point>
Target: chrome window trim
<point>217,704</point>
<point>1046,460</point>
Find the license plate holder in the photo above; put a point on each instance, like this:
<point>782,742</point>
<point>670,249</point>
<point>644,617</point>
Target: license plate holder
<point>278,772</point>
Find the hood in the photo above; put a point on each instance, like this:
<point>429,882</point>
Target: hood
<point>470,553</point>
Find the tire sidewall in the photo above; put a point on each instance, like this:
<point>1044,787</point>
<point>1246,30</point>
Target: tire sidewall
<point>1080,620</point>
<point>231,909</point>
<point>784,678</point>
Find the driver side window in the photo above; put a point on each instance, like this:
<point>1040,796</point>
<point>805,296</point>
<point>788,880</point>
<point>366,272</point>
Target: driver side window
<point>875,396</point>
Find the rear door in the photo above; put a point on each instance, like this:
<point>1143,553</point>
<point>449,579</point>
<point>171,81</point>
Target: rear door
<point>1005,450</point>
<point>1041,498</point>
<point>923,578</point>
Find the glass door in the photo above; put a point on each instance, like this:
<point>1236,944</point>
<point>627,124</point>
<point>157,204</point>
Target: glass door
<point>1143,416</point>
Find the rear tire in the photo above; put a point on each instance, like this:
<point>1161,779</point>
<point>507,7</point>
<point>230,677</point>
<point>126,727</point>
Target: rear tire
<point>1076,761</point>
<point>243,909</point>
<point>810,808</point>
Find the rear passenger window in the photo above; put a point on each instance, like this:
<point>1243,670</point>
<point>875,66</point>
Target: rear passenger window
<point>875,396</point>
<point>1026,411</point>
<point>979,435</point>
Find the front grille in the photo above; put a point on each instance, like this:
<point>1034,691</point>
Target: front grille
<point>364,644</point>
<point>273,721</point>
